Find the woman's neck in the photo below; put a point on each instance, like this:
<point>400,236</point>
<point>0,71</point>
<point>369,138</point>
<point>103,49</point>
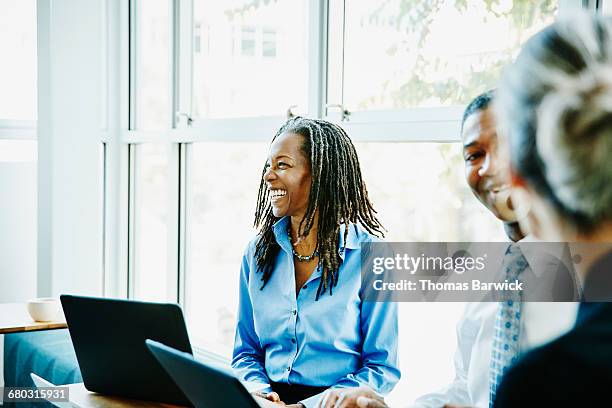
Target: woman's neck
<point>308,242</point>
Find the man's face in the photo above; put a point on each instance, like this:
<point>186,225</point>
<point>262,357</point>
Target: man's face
<point>485,171</point>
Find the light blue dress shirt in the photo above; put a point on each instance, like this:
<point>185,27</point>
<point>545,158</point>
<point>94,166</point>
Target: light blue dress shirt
<point>336,341</point>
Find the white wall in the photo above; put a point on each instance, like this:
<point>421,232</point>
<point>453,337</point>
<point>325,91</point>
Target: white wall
<point>18,226</point>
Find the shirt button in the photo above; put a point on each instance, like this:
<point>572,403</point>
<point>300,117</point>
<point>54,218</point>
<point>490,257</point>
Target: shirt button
<point>288,368</point>
<point>293,341</point>
<point>294,312</point>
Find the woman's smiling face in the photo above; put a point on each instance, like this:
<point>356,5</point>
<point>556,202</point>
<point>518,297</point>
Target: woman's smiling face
<point>288,177</point>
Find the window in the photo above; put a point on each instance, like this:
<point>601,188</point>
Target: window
<point>401,54</point>
<point>238,77</point>
<point>269,43</point>
<point>18,69</point>
<point>152,63</point>
<point>420,193</point>
<point>247,42</point>
<point>18,150</point>
<point>222,197</point>
<point>395,66</point>
<point>154,274</point>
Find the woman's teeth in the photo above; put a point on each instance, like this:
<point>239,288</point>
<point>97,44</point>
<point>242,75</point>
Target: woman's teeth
<point>277,193</point>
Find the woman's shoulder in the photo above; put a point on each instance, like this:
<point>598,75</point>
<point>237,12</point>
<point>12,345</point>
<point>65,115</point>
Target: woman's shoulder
<point>249,250</point>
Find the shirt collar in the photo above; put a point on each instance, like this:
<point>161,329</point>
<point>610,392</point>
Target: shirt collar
<point>280,233</point>
<point>352,240</point>
<point>281,225</point>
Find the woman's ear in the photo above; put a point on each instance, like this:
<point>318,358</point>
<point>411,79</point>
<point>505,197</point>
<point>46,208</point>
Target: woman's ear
<point>521,201</point>
<point>515,179</point>
<point>535,214</point>
<point>520,196</point>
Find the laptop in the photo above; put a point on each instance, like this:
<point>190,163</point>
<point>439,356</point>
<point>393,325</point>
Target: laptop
<point>109,336</point>
<point>205,386</point>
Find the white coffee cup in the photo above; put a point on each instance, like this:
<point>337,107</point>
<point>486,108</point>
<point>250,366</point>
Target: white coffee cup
<point>43,309</point>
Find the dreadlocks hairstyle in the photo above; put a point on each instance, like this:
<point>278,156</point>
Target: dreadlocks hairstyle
<point>337,192</point>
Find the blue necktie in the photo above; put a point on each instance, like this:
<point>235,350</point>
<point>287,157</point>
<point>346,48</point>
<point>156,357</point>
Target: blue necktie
<point>507,330</point>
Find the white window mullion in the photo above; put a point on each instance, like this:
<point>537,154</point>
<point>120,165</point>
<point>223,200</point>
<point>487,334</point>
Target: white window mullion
<point>133,62</point>
<point>133,223</point>
<point>183,113</point>
<point>185,173</point>
<point>334,54</point>
<point>117,172</point>
<point>18,129</point>
<point>409,125</point>
<point>173,224</point>
<point>182,63</point>
<point>317,71</point>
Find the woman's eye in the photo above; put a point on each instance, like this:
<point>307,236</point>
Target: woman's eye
<point>282,165</point>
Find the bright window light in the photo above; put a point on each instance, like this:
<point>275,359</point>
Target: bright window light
<point>19,66</point>
<point>256,63</point>
<point>401,54</point>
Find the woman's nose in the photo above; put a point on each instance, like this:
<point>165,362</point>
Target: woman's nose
<point>269,174</point>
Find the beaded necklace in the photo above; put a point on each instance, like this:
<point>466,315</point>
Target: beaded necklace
<point>302,258</point>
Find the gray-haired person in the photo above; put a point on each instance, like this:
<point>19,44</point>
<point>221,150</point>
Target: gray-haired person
<point>555,107</point>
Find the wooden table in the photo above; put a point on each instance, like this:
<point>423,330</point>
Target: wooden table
<point>14,318</point>
<point>81,398</point>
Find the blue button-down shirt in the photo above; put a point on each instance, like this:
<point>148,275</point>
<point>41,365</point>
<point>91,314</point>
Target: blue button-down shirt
<point>336,341</point>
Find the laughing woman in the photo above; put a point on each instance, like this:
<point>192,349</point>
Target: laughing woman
<point>302,326</point>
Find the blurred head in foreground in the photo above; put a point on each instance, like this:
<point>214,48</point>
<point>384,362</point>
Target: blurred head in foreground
<point>554,105</point>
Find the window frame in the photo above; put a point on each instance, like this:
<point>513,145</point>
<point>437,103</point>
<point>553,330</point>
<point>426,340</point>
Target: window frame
<point>18,129</point>
<point>437,124</point>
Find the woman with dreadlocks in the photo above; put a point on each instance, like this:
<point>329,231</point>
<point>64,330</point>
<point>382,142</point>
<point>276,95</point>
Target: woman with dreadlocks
<point>302,326</point>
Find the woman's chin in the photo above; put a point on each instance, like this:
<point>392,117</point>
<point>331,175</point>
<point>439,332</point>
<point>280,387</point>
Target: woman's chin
<point>278,212</point>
